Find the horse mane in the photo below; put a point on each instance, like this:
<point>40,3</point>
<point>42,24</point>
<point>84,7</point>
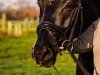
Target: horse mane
<point>97,4</point>
<point>90,13</point>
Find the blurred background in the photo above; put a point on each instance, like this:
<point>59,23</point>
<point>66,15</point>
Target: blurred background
<point>18,22</point>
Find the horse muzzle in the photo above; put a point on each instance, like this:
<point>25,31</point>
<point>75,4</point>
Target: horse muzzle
<point>44,56</point>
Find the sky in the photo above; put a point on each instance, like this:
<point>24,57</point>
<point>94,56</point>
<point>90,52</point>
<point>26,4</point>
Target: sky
<point>7,2</point>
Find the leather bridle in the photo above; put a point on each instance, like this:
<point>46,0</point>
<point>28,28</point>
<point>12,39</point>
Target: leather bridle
<point>50,27</point>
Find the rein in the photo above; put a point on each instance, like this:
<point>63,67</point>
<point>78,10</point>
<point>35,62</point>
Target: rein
<point>50,27</point>
<point>71,40</point>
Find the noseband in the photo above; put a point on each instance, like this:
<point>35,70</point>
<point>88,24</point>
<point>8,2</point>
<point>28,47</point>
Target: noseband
<point>50,28</point>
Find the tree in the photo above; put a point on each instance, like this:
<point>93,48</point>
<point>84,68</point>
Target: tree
<point>24,4</point>
<point>1,6</point>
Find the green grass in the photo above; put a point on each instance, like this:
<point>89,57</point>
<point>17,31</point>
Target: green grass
<point>15,58</point>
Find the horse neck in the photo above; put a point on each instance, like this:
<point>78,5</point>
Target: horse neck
<point>89,13</point>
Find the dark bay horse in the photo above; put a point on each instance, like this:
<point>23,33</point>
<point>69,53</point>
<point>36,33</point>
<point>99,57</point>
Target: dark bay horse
<point>57,18</point>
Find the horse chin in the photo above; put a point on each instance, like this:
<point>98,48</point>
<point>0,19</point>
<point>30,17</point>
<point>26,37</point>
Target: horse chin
<point>49,56</point>
<point>47,65</point>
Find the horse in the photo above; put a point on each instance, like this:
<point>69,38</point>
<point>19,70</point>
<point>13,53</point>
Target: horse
<point>56,22</point>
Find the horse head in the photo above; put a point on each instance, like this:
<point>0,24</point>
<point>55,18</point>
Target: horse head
<point>55,19</point>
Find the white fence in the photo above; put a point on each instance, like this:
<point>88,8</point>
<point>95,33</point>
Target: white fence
<point>16,29</point>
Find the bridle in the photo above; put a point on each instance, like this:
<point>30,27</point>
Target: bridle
<point>50,27</point>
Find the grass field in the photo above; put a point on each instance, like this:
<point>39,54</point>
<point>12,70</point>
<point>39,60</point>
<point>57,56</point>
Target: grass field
<point>15,58</point>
